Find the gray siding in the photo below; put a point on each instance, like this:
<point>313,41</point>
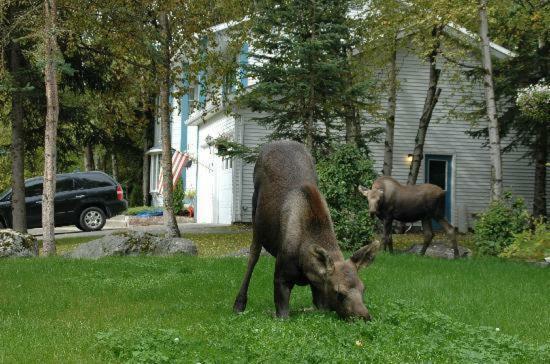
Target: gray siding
<point>471,167</point>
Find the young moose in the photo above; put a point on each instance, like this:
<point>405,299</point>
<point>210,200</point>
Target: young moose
<point>292,222</point>
<point>390,200</point>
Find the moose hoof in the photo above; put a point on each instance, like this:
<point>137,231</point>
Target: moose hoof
<point>239,306</point>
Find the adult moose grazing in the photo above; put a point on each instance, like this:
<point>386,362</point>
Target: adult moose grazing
<point>292,222</point>
<point>390,200</point>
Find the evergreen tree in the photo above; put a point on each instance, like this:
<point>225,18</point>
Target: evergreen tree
<point>301,59</point>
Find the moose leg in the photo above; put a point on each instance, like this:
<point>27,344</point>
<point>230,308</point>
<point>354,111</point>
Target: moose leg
<point>282,288</point>
<point>451,233</point>
<point>388,242</point>
<point>255,250</point>
<point>428,234</point>
<point>318,299</point>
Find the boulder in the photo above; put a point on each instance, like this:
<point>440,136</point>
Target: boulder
<point>440,250</point>
<point>133,243</point>
<point>15,244</point>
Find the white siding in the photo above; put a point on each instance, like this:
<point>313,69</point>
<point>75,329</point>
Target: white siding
<point>175,125</point>
<point>192,149</point>
<point>209,167</point>
<point>250,134</point>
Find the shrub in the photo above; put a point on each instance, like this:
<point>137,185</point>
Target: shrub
<point>179,196</point>
<point>339,175</point>
<point>530,243</point>
<point>495,229</point>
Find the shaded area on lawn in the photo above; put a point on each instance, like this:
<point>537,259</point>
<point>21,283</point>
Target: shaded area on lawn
<point>55,310</point>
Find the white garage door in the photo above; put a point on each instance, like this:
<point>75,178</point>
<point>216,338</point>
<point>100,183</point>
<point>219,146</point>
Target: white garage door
<point>225,191</point>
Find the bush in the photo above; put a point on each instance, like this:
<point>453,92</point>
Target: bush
<point>530,243</point>
<point>178,197</point>
<point>339,175</point>
<point>495,229</point>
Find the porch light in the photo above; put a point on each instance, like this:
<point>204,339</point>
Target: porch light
<point>409,158</point>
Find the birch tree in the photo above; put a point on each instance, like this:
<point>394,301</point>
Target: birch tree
<point>432,97</point>
<point>494,133</point>
<point>50,151</point>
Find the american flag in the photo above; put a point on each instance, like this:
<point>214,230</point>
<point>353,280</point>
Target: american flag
<point>179,161</point>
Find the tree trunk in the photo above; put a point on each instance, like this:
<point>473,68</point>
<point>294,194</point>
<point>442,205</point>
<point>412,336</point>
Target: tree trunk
<point>89,164</point>
<point>429,105</point>
<point>390,119</point>
<point>52,115</point>
<point>494,135</point>
<point>541,158</point>
<point>165,83</point>
<point>18,209</point>
<point>114,165</point>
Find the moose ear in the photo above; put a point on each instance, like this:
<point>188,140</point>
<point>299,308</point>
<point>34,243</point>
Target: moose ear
<point>365,256</point>
<point>320,262</point>
<point>363,190</point>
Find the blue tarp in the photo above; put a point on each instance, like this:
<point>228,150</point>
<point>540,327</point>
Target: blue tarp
<point>150,213</point>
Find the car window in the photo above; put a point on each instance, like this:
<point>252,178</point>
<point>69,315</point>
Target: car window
<point>5,196</point>
<point>93,181</point>
<point>33,188</point>
<point>64,184</point>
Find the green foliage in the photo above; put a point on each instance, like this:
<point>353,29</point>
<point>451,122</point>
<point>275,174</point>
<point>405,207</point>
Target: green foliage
<point>530,243</point>
<point>339,175</point>
<point>534,101</point>
<point>142,346</point>
<point>179,196</point>
<point>227,148</point>
<point>496,226</point>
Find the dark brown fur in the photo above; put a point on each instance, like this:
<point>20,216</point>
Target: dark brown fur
<point>292,222</point>
<point>390,200</point>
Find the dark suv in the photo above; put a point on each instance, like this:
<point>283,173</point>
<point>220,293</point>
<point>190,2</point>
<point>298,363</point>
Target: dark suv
<point>84,199</point>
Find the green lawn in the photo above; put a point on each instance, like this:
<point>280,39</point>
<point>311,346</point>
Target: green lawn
<point>147,309</point>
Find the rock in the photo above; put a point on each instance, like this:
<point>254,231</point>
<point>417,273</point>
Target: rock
<point>133,243</point>
<point>244,252</point>
<point>440,250</point>
<point>15,244</point>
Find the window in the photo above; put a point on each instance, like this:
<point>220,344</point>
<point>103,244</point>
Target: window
<point>155,173</point>
<point>227,163</point>
<point>64,184</point>
<point>33,188</point>
<point>192,98</point>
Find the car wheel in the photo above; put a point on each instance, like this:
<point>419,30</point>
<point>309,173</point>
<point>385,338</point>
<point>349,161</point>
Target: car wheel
<point>92,219</point>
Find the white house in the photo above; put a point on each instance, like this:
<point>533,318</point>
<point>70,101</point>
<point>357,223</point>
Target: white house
<point>452,159</point>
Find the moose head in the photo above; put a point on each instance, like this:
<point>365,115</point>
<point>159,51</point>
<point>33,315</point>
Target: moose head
<point>336,281</point>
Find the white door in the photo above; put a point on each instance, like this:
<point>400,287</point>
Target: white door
<point>225,191</point>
